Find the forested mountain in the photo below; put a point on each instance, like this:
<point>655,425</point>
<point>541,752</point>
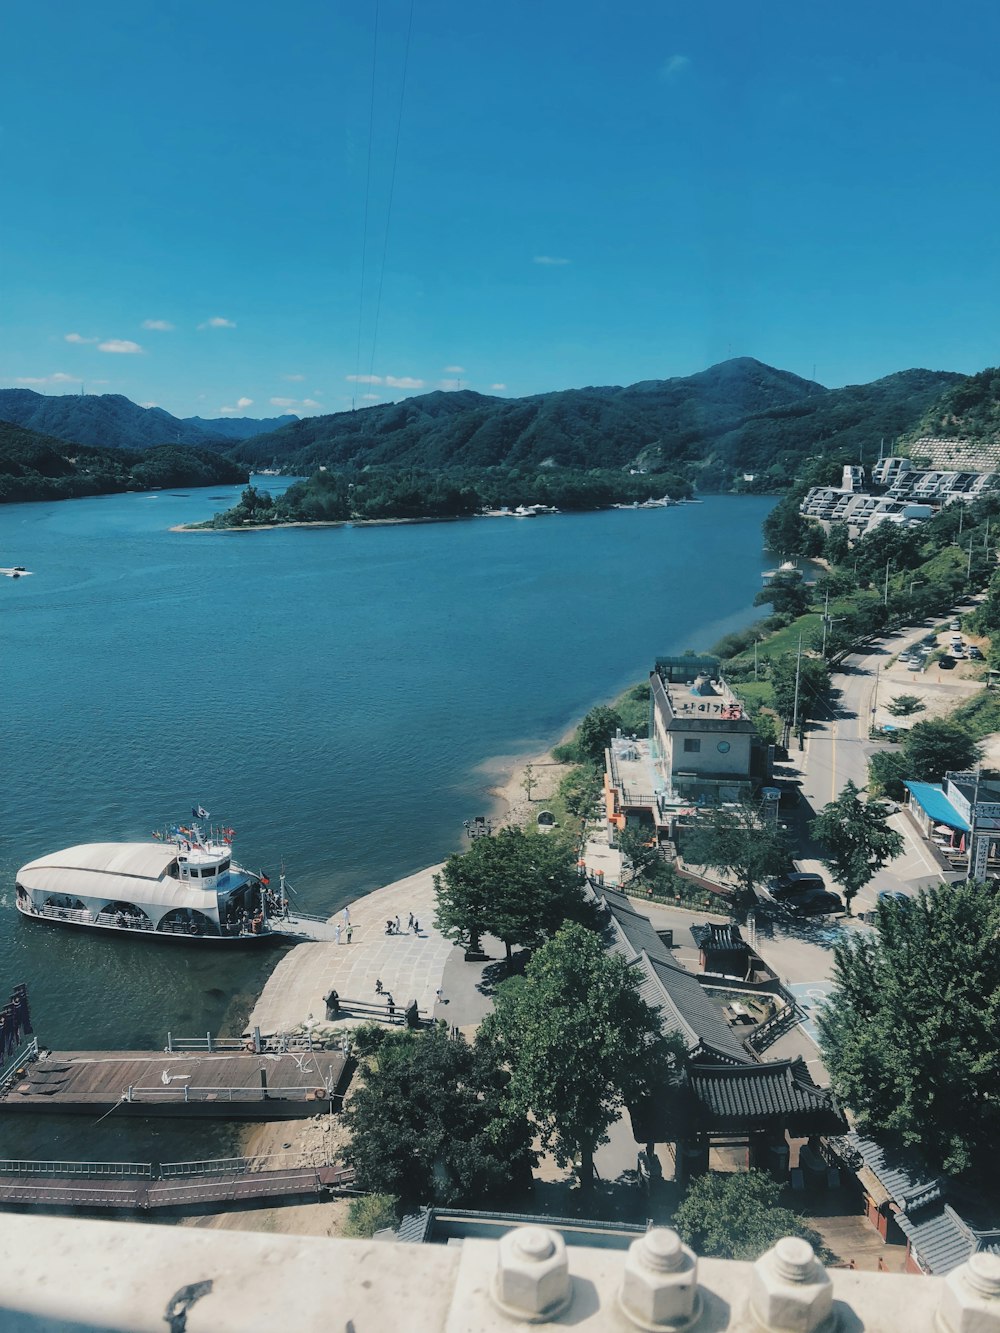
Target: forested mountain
<point>737,417</point>
<point>38,467</point>
<point>969,411</point>
<point>238,428</point>
<point>110,421</point>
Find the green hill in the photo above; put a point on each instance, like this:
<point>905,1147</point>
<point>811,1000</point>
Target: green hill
<point>37,467</point>
<point>734,418</point>
<point>970,410</point>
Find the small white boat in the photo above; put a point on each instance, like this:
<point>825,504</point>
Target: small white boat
<point>15,572</point>
<point>182,884</point>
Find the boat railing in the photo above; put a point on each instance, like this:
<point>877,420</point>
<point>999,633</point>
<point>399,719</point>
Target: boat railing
<point>186,1093</point>
<point>14,1166</point>
<point>235,1166</point>
<point>209,1043</point>
<point>14,1067</point>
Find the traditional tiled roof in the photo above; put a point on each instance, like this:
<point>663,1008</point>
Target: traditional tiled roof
<point>903,1179</point>
<point>685,1006</point>
<point>758,1095</point>
<point>713,937</point>
<point>415,1227</point>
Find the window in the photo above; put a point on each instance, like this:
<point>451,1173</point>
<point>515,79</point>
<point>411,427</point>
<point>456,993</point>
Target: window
<point>692,747</point>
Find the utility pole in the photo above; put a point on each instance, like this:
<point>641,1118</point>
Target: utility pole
<point>885,592</point>
<point>755,642</point>
<point>878,668</point>
<point>826,621</point>
<point>986,539</point>
<point>795,705</point>
<point>968,568</point>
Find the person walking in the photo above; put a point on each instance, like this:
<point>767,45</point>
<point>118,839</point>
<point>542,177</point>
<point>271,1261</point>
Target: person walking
<point>397,923</point>
<point>410,923</point>
<point>347,916</point>
<point>378,985</point>
<point>336,932</point>
<point>350,933</point>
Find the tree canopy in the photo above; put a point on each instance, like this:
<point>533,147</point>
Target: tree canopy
<point>928,751</point>
<point>910,1033</point>
<point>859,842</point>
<point>737,842</point>
<point>595,732</point>
<point>427,1121</point>
<point>738,1216</point>
<point>580,1044</point>
<point>519,886</point>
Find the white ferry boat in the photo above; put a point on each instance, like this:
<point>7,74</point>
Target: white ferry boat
<point>183,883</point>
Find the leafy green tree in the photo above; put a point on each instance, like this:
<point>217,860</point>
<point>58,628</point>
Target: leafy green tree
<point>595,732</point>
<point>936,747</point>
<point>430,1121</point>
<point>910,1033</point>
<point>887,771</point>
<point>580,789</point>
<point>520,886</point>
<point>905,705</point>
<point>580,1044</point>
<point>858,839</point>
<point>738,1216</point>
<point>739,844</point>
<point>814,686</point>
<point>785,592</point>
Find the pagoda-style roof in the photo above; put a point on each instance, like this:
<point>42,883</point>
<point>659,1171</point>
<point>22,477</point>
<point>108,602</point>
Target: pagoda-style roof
<point>780,1093</point>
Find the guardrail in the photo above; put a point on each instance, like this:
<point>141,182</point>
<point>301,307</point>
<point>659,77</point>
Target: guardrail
<point>235,1166</point>
<point>227,1094</point>
<point>17,1166</point>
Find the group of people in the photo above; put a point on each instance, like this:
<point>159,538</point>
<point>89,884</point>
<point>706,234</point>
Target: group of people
<point>392,926</point>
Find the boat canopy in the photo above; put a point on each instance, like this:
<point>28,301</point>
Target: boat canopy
<point>134,872</point>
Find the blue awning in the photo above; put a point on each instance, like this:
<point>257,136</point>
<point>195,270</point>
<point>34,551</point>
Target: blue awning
<point>931,799</point>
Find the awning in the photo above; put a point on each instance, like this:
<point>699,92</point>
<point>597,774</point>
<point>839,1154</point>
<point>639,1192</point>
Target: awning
<point>932,800</point>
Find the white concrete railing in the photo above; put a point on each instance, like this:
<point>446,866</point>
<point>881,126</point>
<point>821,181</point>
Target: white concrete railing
<point>69,1274</point>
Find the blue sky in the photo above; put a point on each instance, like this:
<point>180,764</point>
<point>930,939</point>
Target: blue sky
<point>584,194</point>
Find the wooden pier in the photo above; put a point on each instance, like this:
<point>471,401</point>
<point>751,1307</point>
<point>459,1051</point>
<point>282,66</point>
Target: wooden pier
<point>233,1182</point>
<point>227,1085</point>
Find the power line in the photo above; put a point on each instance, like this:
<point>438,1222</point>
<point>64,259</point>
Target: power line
<point>368,186</point>
<point>392,187</point>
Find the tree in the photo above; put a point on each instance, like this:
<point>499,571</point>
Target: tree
<point>520,886</point>
<point>580,789</point>
<point>937,747</point>
<point>785,592</point>
<point>429,1123</point>
<point>739,844</point>
<point>910,1033</point>
<point>887,771</point>
<point>905,705</point>
<point>593,736</point>
<point>737,1216</point>
<point>580,1044</point>
<point>529,782</point>
<point>814,686</point>
<point>860,842</point>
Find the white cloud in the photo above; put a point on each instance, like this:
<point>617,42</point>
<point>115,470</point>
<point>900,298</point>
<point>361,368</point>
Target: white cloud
<point>158,325</point>
<point>311,402</point>
<point>364,379</point>
<point>293,379</point>
<point>60,377</point>
<point>498,388</point>
<point>124,346</point>
<point>454,370</point>
<point>551,261</point>
<point>449,386</point>
<point>241,405</point>
<point>282,402</point>
<point>404,382</point>
<point>218,322</point>
<point>244,402</point>
<point>673,67</point>
<point>149,404</point>
<point>78,338</point>
<point>295,404</point>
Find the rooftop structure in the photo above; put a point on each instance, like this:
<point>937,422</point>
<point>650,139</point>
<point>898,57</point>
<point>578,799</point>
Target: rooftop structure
<point>63,1274</point>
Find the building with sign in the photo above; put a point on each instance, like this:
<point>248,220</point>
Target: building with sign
<point>962,815</point>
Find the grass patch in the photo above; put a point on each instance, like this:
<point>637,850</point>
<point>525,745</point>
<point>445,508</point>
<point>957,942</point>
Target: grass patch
<point>980,714</point>
<point>373,1213</point>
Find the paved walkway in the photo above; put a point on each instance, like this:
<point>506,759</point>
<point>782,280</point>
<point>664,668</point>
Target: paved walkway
<point>410,967</point>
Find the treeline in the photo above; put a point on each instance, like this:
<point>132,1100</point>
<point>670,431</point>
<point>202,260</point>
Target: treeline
<point>34,467</point>
<point>377,493</point>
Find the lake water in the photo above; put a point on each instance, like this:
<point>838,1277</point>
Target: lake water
<point>340,696</point>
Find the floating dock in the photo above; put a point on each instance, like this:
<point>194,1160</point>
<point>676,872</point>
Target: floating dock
<point>223,1086</point>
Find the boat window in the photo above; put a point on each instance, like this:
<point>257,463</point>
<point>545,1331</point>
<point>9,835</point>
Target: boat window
<point>223,867</point>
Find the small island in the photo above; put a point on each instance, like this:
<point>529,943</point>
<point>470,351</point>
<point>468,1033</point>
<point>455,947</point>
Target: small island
<point>423,495</point>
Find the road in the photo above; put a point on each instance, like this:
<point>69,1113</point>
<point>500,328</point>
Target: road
<point>837,750</point>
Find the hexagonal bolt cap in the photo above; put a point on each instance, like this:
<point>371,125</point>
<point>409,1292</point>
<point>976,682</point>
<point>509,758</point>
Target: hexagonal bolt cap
<point>791,1290</point>
<point>970,1296</point>
<point>532,1281</point>
<point>660,1285</point>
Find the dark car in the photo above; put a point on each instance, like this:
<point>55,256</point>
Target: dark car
<point>894,896</point>
<point>817,903</point>
<point>794,884</point>
<point>976,653</point>
<point>945,662</point>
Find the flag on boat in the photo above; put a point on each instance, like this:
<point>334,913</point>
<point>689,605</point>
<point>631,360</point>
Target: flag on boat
<point>263,878</point>
<point>199,812</point>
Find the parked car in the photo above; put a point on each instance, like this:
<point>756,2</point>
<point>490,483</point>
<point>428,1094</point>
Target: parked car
<point>794,885</point>
<point>817,903</point>
<point>955,625</point>
<point>945,662</point>
<point>976,653</point>
<point>894,896</point>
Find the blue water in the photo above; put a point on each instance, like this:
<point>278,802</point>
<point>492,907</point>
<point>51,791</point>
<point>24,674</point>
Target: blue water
<point>339,695</point>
